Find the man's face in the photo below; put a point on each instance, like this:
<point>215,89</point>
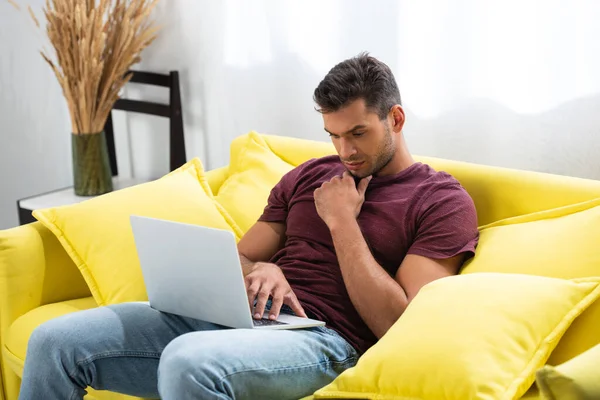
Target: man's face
<point>364,143</point>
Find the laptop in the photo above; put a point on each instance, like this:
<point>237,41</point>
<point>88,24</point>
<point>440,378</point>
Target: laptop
<point>195,271</point>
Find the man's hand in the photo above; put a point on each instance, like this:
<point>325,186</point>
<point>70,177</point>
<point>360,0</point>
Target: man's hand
<point>340,199</point>
<point>264,280</point>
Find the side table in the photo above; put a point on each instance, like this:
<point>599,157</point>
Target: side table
<point>63,197</point>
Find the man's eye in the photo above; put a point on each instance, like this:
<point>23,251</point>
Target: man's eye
<point>358,134</point>
<point>331,135</point>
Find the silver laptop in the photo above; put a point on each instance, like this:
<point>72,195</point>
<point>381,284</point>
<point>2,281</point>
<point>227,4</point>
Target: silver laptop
<point>195,271</point>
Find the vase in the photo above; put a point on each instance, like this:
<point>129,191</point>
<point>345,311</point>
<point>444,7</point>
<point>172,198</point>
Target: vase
<point>91,168</point>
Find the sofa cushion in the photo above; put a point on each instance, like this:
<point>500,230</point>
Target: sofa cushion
<point>532,394</point>
<point>296,151</point>
<point>559,243</point>
<point>97,233</point>
<point>576,379</point>
<point>253,171</point>
<point>15,346</point>
<point>468,336</point>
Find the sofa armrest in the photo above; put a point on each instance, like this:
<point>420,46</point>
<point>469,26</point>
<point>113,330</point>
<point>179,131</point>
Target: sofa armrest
<point>3,395</point>
<point>35,270</point>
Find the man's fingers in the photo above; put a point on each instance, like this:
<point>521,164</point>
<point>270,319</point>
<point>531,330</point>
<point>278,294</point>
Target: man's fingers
<point>276,304</point>
<point>347,178</point>
<point>293,302</point>
<point>363,184</point>
<point>261,302</point>
<point>251,291</point>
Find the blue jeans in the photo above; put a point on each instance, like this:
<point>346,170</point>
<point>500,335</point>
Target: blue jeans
<point>133,349</point>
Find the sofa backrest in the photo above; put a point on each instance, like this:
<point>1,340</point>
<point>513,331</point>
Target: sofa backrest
<point>498,192</point>
<point>501,193</point>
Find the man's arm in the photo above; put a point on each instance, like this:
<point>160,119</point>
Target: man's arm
<point>260,243</point>
<point>380,299</point>
<point>264,279</point>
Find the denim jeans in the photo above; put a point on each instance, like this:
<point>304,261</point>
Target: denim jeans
<point>134,349</point>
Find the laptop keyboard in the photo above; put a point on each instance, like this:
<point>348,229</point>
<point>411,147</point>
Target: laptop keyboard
<point>267,322</point>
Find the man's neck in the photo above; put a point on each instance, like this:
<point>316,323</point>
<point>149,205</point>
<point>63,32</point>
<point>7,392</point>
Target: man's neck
<point>401,160</point>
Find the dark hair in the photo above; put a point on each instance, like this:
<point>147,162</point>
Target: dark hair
<point>360,77</point>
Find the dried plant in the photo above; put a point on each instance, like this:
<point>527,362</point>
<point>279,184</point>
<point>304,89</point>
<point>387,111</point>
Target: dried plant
<point>95,43</point>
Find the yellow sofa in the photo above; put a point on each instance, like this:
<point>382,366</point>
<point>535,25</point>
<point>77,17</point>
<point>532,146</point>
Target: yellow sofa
<point>38,280</point>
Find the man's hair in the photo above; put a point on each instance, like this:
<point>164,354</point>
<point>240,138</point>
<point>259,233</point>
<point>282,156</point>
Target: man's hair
<point>360,77</point>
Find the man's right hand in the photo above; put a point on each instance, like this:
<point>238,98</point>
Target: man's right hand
<point>267,279</point>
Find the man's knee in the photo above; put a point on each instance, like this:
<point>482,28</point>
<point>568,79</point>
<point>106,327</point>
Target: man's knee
<point>67,337</point>
<point>183,371</point>
<point>51,336</point>
<point>176,362</point>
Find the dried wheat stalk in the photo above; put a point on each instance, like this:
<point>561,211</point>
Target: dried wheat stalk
<point>95,43</point>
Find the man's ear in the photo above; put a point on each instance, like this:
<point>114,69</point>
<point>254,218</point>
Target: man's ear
<point>397,118</point>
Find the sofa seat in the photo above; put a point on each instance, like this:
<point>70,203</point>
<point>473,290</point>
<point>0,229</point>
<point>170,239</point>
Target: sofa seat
<point>15,347</point>
<point>532,394</point>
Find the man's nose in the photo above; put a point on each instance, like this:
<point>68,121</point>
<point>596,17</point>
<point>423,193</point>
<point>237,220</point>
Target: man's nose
<point>347,149</point>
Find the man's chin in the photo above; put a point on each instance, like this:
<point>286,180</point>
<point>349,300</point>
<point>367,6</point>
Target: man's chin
<point>358,173</point>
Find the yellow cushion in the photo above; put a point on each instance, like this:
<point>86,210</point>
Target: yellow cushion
<point>296,151</point>
<point>15,346</point>
<point>532,394</point>
<point>19,332</point>
<point>470,336</point>
<point>253,171</point>
<point>576,379</point>
<point>97,233</point>
<point>559,243</point>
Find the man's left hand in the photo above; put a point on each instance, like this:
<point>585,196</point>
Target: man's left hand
<point>340,198</point>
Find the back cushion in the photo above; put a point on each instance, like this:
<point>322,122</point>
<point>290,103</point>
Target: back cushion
<point>498,193</point>
<point>253,171</point>
<point>501,193</point>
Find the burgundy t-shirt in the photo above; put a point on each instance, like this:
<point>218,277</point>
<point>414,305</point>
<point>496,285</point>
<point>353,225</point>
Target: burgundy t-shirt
<point>417,211</point>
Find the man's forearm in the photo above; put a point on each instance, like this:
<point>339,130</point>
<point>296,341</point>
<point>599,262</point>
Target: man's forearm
<point>378,298</point>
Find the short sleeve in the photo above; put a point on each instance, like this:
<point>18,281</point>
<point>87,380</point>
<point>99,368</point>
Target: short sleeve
<point>447,224</point>
<point>278,201</point>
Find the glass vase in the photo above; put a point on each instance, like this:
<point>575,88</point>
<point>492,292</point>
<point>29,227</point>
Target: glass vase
<point>91,167</point>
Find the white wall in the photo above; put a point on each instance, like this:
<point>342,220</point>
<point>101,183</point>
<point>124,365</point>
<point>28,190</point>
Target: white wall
<point>254,65</point>
<point>35,153</point>
<point>512,83</point>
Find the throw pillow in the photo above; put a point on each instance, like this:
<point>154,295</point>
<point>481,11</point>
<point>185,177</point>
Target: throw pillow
<point>577,379</point>
<point>559,243</point>
<point>468,337</point>
<point>97,233</point>
<point>253,171</point>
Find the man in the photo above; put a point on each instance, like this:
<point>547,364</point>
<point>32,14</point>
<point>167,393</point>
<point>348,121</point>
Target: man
<point>348,239</point>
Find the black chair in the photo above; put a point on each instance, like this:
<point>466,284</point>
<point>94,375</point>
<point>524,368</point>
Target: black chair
<point>172,111</point>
